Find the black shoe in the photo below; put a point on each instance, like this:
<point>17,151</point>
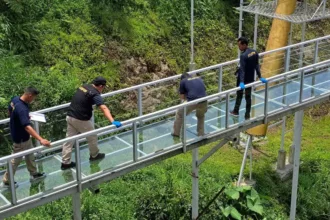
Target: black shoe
<point>37,176</point>
<point>247,117</point>
<point>98,157</point>
<point>174,135</point>
<point>233,113</point>
<point>7,185</point>
<point>68,166</point>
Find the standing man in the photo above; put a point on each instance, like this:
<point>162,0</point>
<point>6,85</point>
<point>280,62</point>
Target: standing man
<point>79,119</point>
<point>191,88</point>
<point>20,130</point>
<point>248,64</point>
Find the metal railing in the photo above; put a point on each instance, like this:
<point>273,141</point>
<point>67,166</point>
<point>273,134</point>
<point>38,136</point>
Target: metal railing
<point>219,67</point>
<point>132,123</point>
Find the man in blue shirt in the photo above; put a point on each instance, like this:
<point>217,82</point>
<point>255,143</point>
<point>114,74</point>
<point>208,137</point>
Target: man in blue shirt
<point>191,88</point>
<point>21,130</point>
<point>248,65</point>
<point>79,119</point>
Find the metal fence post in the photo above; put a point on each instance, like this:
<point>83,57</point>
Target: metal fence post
<point>135,142</point>
<point>220,79</point>
<point>78,165</point>
<point>266,103</point>
<point>227,110</point>
<point>184,130</point>
<point>140,107</point>
<point>12,183</point>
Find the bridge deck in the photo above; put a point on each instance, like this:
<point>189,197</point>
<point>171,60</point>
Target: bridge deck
<point>157,136</point>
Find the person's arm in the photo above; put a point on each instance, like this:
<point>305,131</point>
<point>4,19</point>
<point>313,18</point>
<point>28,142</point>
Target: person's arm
<point>182,90</point>
<point>182,97</point>
<point>25,122</point>
<point>258,67</point>
<point>242,68</point>
<point>34,134</point>
<point>106,112</point>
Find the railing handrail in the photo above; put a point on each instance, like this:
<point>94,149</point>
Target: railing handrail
<point>163,111</point>
<point>132,88</point>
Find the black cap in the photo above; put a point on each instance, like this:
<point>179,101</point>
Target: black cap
<point>99,81</point>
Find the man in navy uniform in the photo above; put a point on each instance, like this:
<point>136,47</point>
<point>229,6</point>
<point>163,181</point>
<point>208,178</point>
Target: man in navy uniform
<point>248,64</point>
<point>79,119</point>
<point>21,130</point>
<point>191,88</point>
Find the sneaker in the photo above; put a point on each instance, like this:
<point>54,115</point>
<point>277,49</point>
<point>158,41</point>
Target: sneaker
<point>37,176</point>
<point>98,157</point>
<point>233,113</point>
<point>7,185</point>
<point>68,166</point>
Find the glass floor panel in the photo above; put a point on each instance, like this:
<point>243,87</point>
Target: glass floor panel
<point>293,97</point>
<point>317,78</point>
<point>116,152</point>
<point>55,177</point>
<point>3,201</point>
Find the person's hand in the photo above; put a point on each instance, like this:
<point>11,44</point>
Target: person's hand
<point>263,80</point>
<point>117,124</point>
<point>45,142</point>
<point>242,85</point>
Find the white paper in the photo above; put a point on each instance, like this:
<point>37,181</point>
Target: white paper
<point>37,117</point>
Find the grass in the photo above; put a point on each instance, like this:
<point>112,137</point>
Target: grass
<point>121,198</point>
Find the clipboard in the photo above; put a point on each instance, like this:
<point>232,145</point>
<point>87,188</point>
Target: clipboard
<point>37,117</point>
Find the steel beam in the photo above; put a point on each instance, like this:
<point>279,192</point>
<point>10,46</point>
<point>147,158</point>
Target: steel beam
<point>299,116</point>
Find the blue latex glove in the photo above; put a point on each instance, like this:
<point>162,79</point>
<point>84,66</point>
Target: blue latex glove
<point>263,80</point>
<point>117,124</point>
<point>242,85</point>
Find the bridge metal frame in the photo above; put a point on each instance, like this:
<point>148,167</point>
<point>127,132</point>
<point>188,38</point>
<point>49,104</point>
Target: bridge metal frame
<point>74,188</point>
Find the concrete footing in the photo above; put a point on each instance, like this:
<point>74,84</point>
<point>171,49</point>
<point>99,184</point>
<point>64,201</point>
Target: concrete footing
<point>281,160</point>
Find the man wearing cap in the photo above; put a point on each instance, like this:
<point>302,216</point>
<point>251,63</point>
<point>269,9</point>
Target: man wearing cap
<point>191,88</point>
<point>21,130</point>
<point>79,119</point>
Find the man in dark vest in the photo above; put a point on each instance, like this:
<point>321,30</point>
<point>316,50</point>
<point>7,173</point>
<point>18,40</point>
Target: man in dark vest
<point>79,119</point>
<point>248,65</point>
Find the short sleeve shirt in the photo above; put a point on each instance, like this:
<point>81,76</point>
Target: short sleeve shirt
<point>192,88</point>
<point>19,119</point>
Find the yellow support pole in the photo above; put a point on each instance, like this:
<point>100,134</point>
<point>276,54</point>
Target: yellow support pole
<point>273,63</point>
<point>278,37</point>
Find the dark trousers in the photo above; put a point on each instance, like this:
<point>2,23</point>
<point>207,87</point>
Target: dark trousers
<point>248,100</point>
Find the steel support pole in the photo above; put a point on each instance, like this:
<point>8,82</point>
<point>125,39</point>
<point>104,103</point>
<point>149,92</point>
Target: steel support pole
<point>297,143</point>
<point>240,26</point>
<point>250,146</point>
<point>301,55</point>
<point>324,7</point>
<point>255,35</point>
<point>192,64</point>
<point>247,146</point>
<point>195,188</point>
<point>76,206</point>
